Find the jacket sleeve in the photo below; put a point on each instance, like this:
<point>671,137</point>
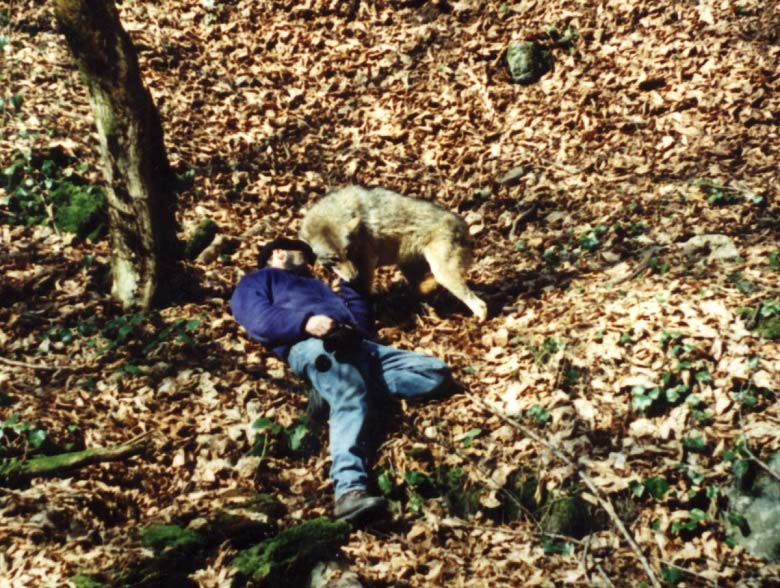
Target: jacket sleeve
<point>253,307</point>
<point>358,304</point>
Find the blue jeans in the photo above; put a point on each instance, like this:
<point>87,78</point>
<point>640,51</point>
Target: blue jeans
<point>348,383</point>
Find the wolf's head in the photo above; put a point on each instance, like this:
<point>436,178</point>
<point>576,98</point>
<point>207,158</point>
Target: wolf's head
<point>337,246</point>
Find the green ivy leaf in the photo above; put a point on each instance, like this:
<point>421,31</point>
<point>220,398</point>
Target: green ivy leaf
<point>415,478</point>
<point>37,437</point>
<point>740,467</point>
<point>695,477</point>
<point>415,502</point>
<point>589,242</point>
<point>539,414</point>
<point>698,443</point>
<point>774,259</point>
<point>637,489</point>
<point>385,483</point>
<point>296,436</point>
<point>641,402</point>
<point>557,547</point>
<point>693,400</point>
<point>470,435</point>
<point>657,487</point>
<point>698,515</point>
<point>262,423</point>
<point>740,522</point>
<point>131,369</point>
<point>671,575</point>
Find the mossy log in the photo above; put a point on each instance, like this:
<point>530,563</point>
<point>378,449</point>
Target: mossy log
<point>142,225</point>
<point>13,471</point>
<point>286,559</point>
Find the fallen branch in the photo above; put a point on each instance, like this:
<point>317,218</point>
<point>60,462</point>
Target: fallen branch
<point>604,502</point>
<point>753,457</point>
<point>56,465</point>
<point>522,218</point>
<point>690,572</point>
<point>753,322</point>
<point>643,264</point>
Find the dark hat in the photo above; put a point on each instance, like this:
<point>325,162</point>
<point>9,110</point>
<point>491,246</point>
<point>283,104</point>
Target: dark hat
<point>287,245</point>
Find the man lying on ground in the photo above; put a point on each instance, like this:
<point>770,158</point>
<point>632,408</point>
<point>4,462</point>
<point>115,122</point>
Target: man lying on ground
<point>326,338</point>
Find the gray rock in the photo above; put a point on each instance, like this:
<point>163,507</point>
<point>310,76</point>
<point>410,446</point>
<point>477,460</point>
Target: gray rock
<point>758,501</point>
<point>717,247</point>
<point>333,574</point>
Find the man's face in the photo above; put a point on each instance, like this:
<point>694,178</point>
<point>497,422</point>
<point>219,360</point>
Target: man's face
<point>290,260</point>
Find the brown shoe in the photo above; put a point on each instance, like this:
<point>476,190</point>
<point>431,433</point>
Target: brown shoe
<point>358,504</point>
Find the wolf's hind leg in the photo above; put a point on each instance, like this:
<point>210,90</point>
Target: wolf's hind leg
<point>416,272</point>
<point>449,263</point>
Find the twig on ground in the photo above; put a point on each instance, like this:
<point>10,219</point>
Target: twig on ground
<point>753,457</point>
<point>690,572</point>
<point>644,263</point>
<point>604,502</point>
<point>569,169</point>
<point>603,574</point>
<point>38,366</point>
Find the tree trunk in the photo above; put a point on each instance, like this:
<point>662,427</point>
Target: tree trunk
<point>144,247</point>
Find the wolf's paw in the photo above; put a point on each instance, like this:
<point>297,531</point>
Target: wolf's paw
<point>480,310</point>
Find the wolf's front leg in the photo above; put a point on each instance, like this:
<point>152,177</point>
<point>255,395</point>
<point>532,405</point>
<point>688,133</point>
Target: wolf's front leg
<point>366,271</point>
<point>449,265</point>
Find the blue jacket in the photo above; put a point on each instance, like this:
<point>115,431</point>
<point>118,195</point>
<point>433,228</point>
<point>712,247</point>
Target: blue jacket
<point>273,306</point>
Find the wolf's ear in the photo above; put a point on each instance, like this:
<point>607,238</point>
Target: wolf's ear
<point>353,225</point>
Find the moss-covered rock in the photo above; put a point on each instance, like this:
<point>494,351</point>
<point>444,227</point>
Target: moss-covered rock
<point>527,61</point>
<point>461,498</point>
<point>79,209</point>
<point>166,537</point>
<point>521,485</point>
<point>266,504</point>
<point>769,328</point>
<point>764,320</point>
<point>82,581</point>
<point>278,561</point>
<point>178,552</point>
<point>200,238</point>
<point>248,521</point>
<point>570,515</point>
<point>754,511</point>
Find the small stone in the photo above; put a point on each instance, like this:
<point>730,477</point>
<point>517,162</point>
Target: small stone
<point>527,61</point>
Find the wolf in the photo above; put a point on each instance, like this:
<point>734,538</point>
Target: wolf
<point>353,230</point>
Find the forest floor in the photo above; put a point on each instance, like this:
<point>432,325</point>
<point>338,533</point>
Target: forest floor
<point>657,123</point>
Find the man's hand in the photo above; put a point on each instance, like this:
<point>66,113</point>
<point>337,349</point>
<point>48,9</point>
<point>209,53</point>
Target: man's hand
<point>319,325</point>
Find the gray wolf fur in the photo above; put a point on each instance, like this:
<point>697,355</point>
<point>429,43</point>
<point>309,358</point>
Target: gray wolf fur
<point>353,230</point>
